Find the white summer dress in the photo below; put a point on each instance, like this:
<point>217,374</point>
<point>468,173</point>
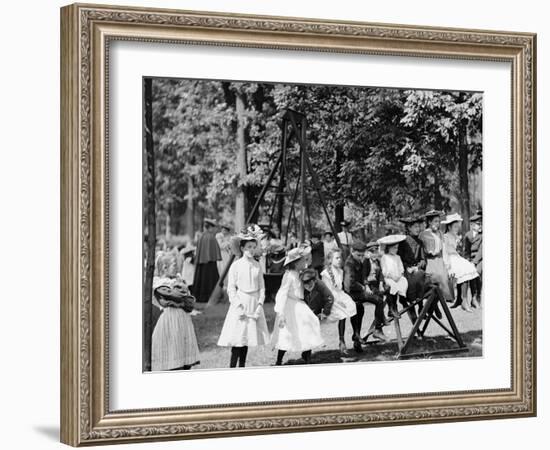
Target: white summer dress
<point>343,306</point>
<point>301,330</point>
<point>459,267</point>
<point>245,289</point>
<point>392,270</point>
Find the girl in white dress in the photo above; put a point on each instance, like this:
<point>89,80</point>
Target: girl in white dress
<point>343,306</point>
<point>174,343</point>
<point>460,269</point>
<point>245,325</point>
<point>296,328</point>
<point>393,270</point>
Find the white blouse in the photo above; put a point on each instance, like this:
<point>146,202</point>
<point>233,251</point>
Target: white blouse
<point>345,238</point>
<point>245,275</point>
<point>392,266</point>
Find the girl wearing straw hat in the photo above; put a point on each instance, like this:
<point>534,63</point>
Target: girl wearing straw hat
<point>245,325</point>
<point>460,269</point>
<point>297,328</point>
<point>393,270</point>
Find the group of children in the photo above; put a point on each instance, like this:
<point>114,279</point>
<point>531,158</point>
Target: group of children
<point>408,266</point>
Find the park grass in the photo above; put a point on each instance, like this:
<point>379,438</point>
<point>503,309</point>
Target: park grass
<point>208,322</point>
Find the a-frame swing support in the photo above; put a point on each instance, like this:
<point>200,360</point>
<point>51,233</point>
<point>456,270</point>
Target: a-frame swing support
<point>421,323</point>
<point>293,125</point>
<point>298,128</point>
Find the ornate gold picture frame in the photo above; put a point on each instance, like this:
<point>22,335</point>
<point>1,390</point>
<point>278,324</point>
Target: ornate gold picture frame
<point>86,32</point>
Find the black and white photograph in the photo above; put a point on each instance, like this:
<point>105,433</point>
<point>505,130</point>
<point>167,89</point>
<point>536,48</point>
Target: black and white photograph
<point>288,224</point>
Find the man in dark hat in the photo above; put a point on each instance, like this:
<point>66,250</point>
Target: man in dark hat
<point>206,257</point>
<point>372,275</point>
<point>354,286</point>
<point>473,252</point>
<point>345,237</point>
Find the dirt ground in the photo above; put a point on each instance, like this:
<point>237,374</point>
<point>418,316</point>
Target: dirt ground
<point>208,323</point>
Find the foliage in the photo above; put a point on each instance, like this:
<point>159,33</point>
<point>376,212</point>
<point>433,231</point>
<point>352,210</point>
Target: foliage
<point>383,152</point>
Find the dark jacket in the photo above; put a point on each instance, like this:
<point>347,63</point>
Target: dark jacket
<point>377,276</point>
<point>319,299</point>
<point>208,249</point>
<point>411,251</point>
<point>472,246</point>
<point>317,255</point>
<point>354,279</point>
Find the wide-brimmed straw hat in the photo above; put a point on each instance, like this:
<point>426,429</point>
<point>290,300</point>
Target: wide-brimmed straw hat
<point>476,218</point>
<point>251,233</point>
<point>392,239</point>
<point>295,254</point>
<point>455,217</point>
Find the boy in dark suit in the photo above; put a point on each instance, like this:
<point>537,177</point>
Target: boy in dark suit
<point>355,287</point>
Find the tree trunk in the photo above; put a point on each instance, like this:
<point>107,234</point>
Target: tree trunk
<point>150,226</point>
<point>463,179</point>
<point>190,219</point>
<point>339,206</point>
<point>167,231</point>
<point>338,216</point>
<point>240,200</point>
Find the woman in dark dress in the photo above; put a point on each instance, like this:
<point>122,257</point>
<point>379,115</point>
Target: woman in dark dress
<point>207,256</point>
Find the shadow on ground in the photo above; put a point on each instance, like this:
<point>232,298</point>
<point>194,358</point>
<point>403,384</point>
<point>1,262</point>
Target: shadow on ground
<point>387,351</point>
